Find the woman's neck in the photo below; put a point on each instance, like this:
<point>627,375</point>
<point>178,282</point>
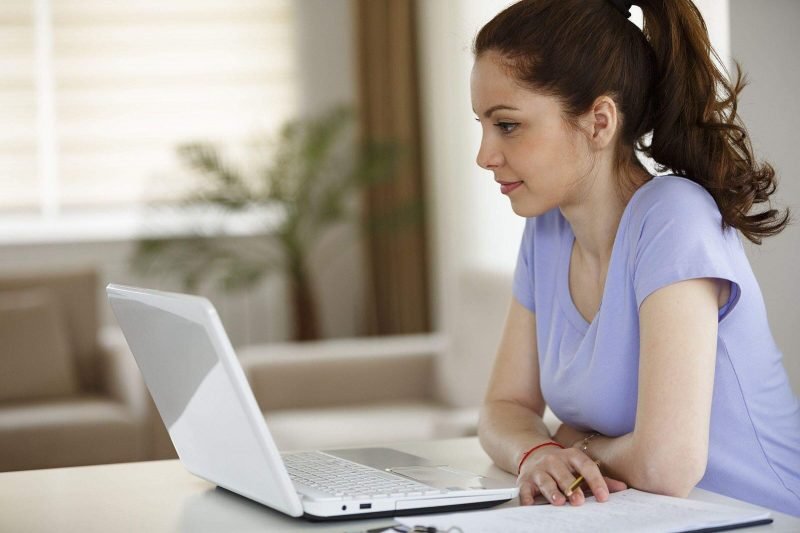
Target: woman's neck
<point>595,212</point>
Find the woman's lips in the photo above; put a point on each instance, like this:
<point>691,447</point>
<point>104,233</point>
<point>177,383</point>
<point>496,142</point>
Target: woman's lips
<point>506,188</point>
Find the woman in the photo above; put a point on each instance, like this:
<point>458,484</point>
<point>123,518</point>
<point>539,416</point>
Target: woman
<point>636,316</point>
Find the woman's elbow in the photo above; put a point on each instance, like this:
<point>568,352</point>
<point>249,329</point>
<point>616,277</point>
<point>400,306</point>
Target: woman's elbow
<point>671,472</point>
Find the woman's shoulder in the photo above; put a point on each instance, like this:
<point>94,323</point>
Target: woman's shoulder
<point>675,233</point>
<point>674,193</point>
<point>674,201</point>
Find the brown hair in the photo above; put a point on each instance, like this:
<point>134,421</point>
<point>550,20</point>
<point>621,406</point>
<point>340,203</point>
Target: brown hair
<point>663,80</point>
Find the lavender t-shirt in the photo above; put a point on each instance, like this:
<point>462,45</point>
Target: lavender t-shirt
<point>670,231</point>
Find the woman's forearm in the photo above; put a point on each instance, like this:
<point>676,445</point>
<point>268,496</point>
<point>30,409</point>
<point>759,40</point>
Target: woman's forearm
<point>507,429</point>
<point>648,467</point>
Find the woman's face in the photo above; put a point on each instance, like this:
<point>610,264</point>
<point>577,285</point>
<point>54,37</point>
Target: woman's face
<point>537,159</point>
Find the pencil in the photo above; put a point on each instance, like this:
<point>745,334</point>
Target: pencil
<point>578,481</point>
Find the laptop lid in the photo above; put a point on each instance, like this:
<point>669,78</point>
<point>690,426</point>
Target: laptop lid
<point>202,394</point>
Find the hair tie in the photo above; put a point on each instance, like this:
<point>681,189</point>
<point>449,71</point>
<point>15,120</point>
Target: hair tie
<point>623,6</point>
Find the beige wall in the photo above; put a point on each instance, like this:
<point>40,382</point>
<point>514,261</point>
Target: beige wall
<point>765,40</point>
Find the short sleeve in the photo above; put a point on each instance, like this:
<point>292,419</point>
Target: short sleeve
<point>523,273</point>
<point>680,237</point>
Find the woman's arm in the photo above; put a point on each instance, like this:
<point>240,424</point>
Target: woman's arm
<point>511,417</point>
<point>668,449</point>
<point>511,422</point>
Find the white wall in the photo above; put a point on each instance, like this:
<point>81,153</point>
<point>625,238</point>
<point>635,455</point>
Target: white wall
<point>326,53</point>
<point>765,40</point>
<point>327,62</point>
<point>474,233</point>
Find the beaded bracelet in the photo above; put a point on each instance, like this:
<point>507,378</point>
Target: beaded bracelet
<point>527,453</point>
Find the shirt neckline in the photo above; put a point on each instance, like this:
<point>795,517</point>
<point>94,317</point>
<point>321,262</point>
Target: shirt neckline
<point>567,242</point>
<point>567,303</point>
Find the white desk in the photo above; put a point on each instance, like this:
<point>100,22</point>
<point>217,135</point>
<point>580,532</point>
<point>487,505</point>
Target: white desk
<point>161,496</point>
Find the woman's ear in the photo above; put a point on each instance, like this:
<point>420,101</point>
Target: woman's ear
<point>603,121</point>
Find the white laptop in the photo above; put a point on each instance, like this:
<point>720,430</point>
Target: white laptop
<point>220,435</point>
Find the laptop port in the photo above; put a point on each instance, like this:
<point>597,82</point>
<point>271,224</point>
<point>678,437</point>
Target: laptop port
<point>365,506</point>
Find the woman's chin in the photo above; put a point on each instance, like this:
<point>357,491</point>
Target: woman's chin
<point>527,211</point>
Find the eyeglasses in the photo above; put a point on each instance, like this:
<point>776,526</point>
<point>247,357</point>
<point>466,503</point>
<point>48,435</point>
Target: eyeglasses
<point>400,528</point>
<point>425,529</point>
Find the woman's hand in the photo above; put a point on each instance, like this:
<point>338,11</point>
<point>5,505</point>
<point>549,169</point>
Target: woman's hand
<point>550,471</point>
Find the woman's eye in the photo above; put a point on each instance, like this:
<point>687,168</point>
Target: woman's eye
<point>507,127</point>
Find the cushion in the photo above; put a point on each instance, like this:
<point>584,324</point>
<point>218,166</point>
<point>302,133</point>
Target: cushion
<point>80,430</point>
<point>340,426</point>
<point>35,358</point>
<point>76,293</point>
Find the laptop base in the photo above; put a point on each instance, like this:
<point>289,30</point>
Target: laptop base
<point>407,512</point>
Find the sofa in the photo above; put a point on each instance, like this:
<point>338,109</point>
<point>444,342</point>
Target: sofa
<point>341,392</point>
<point>344,392</point>
<point>71,393</point>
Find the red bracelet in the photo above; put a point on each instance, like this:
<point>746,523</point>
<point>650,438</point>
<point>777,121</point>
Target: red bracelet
<point>526,454</point>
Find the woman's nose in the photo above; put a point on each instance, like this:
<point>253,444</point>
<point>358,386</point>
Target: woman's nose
<point>488,158</point>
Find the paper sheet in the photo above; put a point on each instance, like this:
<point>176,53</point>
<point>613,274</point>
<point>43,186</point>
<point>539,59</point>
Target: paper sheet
<point>629,510</point>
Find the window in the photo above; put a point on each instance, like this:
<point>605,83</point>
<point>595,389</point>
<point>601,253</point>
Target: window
<point>96,94</point>
<point>17,106</point>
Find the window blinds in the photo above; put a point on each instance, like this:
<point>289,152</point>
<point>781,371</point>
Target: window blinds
<point>18,185</point>
<point>133,79</point>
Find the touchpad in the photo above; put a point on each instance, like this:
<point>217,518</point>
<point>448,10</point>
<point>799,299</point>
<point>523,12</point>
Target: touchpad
<point>441,477</point>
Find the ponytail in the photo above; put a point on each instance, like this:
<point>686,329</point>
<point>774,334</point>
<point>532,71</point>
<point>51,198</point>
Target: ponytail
<point>663,80</point>
<point>696,130</point>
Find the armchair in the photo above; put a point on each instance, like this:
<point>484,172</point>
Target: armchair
<point>70,393</point>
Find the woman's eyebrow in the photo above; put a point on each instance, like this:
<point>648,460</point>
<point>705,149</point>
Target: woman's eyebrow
<point>488,112</point>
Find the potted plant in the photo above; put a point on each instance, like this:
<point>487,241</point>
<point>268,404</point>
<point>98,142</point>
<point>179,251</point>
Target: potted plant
<point>304,185</point>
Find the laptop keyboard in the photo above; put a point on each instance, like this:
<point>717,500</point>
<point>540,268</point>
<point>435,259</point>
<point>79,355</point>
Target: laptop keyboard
<point>346,479</point>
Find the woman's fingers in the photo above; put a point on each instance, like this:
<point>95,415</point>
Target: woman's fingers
<point>615,485</point>
<point>577,497</point>
<point>565,478</point>
<point>525,493</point>
<point>591,475</point>
<point>548,487</point>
